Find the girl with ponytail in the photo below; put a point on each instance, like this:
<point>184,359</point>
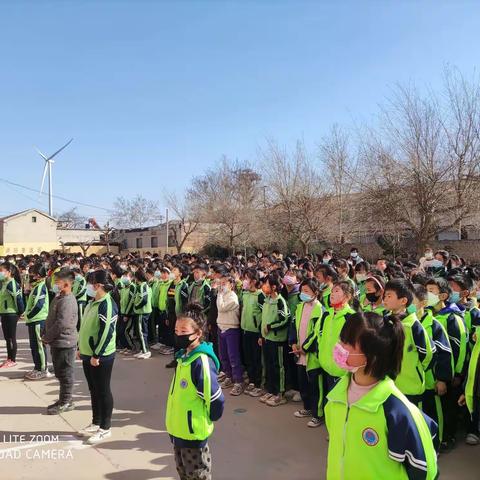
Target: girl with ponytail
<point>375,431</point>
<point>11,307</point>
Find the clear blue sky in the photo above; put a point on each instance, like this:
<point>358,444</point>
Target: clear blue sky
<point>155,92</point>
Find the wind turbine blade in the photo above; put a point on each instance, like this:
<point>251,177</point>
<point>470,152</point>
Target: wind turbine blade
<point>40,153</point>
<point>58,151</point>
<point>43,178</point>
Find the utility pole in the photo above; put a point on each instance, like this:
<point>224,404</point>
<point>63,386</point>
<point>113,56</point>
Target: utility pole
<point>166,224</point>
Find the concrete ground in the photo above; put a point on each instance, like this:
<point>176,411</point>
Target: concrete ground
<point>252,441</point>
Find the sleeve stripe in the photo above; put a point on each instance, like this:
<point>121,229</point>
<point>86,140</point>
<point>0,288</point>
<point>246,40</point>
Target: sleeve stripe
<point>443,347</point>
<point>420,464</point>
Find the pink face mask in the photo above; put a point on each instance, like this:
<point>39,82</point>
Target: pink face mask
<point>246,284</point>
<point>340,356</point>
<point>289,280</point>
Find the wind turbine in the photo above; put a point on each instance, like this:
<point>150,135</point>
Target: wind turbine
<point>48,167</point>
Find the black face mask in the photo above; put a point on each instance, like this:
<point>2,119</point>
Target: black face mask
<point>183,341</point>
<point>372,297</point>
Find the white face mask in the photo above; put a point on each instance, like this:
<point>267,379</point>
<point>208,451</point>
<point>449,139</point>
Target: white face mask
<point>432,299</point>
<point>91,292</point>
<point>361,277</point>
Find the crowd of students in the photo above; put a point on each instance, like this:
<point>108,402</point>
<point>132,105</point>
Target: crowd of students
<point>330,332</point>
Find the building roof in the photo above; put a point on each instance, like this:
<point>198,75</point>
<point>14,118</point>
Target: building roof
<point>23,212</point>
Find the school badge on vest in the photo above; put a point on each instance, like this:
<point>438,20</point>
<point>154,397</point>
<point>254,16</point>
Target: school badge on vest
<point>183,383</point>
<point>370,437</point>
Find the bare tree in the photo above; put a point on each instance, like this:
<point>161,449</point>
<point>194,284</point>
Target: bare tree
<point>421,169</point>
<point>188,216</point>
<point>299,205</point>
<point>340,170</point>
<point>135,213</point>
<point>71,219</point>
<point>227,197</point>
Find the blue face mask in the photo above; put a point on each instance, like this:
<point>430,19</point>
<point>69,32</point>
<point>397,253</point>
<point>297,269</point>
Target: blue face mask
<point>55,289</point>
<point>2,276</point>
<point>454,297</point>
<point>411,309</point>
<point>305,298</point>
<point>91,292</point>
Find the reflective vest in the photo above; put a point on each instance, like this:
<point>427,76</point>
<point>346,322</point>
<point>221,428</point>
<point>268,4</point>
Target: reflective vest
<point>358,444</point>
<point>472,373</point>
<point>315,316</point>
<point>188,415</point>
<point>39,292</point>
<point>8,296</point>
<point>330,336</point>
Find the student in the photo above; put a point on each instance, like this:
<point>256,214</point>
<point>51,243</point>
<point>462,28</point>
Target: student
<point>418,348</point>
<point>305,348</point>
<point>96,349</point>
<point>374,431</point>
<point>142,308</point>
<point>373,300</point>
<point>344,270</point>
<point>164,283</point>
<point>229,334</point>
<point>361,270</point>
<point>11,307</point>
<point>153,275</point>
<point>450,316</point>
<point>36,313</point>
<point>328,331</point>
<point>125,331</point>
<point>80,292</point>
<point>195,399</point>
<point>199,290</point>
<point>61,335</point>
<point>250,322</point>
<point>471,395</point>
<point>274,329</point>
<point>326,276</point>
<point>177,300</point>
<point>441,372</point>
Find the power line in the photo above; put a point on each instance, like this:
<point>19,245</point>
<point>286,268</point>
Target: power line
<point>8,182</point>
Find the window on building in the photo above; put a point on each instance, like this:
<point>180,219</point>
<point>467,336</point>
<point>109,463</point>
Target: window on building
<point>139,242</point>
<point>154,242</point>
<point>34,219</point>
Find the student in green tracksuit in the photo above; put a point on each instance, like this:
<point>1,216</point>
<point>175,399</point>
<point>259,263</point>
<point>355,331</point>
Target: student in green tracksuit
<point>373,298</point>
<point>471,395</point>
<point>36,313</point>
<point>11,307</point>
<point>122,280</point>
<point>449,315</point>
<point>326,276</point>
<point>96,349</point>
<point>142,308</point>
<point>304,344</point>
<point>328,331</point>
<point>418,348</point>
<point>164,333</point>
<point>153,279</point>
<point>441,372</point>
<point>177,297</point>
<point>250,323</point>
<point>80,291</point>
<point>374,431</point>
<point>195,399</point>
<point>274,330</point>
<point>129,316</point>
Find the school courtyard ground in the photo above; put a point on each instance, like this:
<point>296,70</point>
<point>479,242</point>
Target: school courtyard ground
<point>252,441</point>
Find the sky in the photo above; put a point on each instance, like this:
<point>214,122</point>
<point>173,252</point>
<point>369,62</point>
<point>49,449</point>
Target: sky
<point>155,92</point>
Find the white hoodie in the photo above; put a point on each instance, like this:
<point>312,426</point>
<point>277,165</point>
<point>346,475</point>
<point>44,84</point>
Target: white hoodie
<point>228,310</point>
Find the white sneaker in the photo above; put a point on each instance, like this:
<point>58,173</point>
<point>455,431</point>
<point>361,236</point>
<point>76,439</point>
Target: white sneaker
<point>303,413</point>
<point>89,431</point>
<point>143,356</point>
<point>166,351</point>
<point>290,393</point>
<point>48,374</point>
<point>157,346</point>
<point>472,439</point>
<point>99,436</point>
<point>297,397</point>
<point>315,422</point>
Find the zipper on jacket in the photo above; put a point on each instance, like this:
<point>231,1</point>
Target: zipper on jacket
<point>344,442</point>
<point>189,420</point>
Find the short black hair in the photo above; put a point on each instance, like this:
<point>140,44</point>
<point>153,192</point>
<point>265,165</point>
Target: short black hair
<point>463,281</point>
<point>380,339</point>
<point>441,283</point>
<point>312,283</point>
<point>402,287</point>
<point>420,292</point>
<point>65,274</point>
